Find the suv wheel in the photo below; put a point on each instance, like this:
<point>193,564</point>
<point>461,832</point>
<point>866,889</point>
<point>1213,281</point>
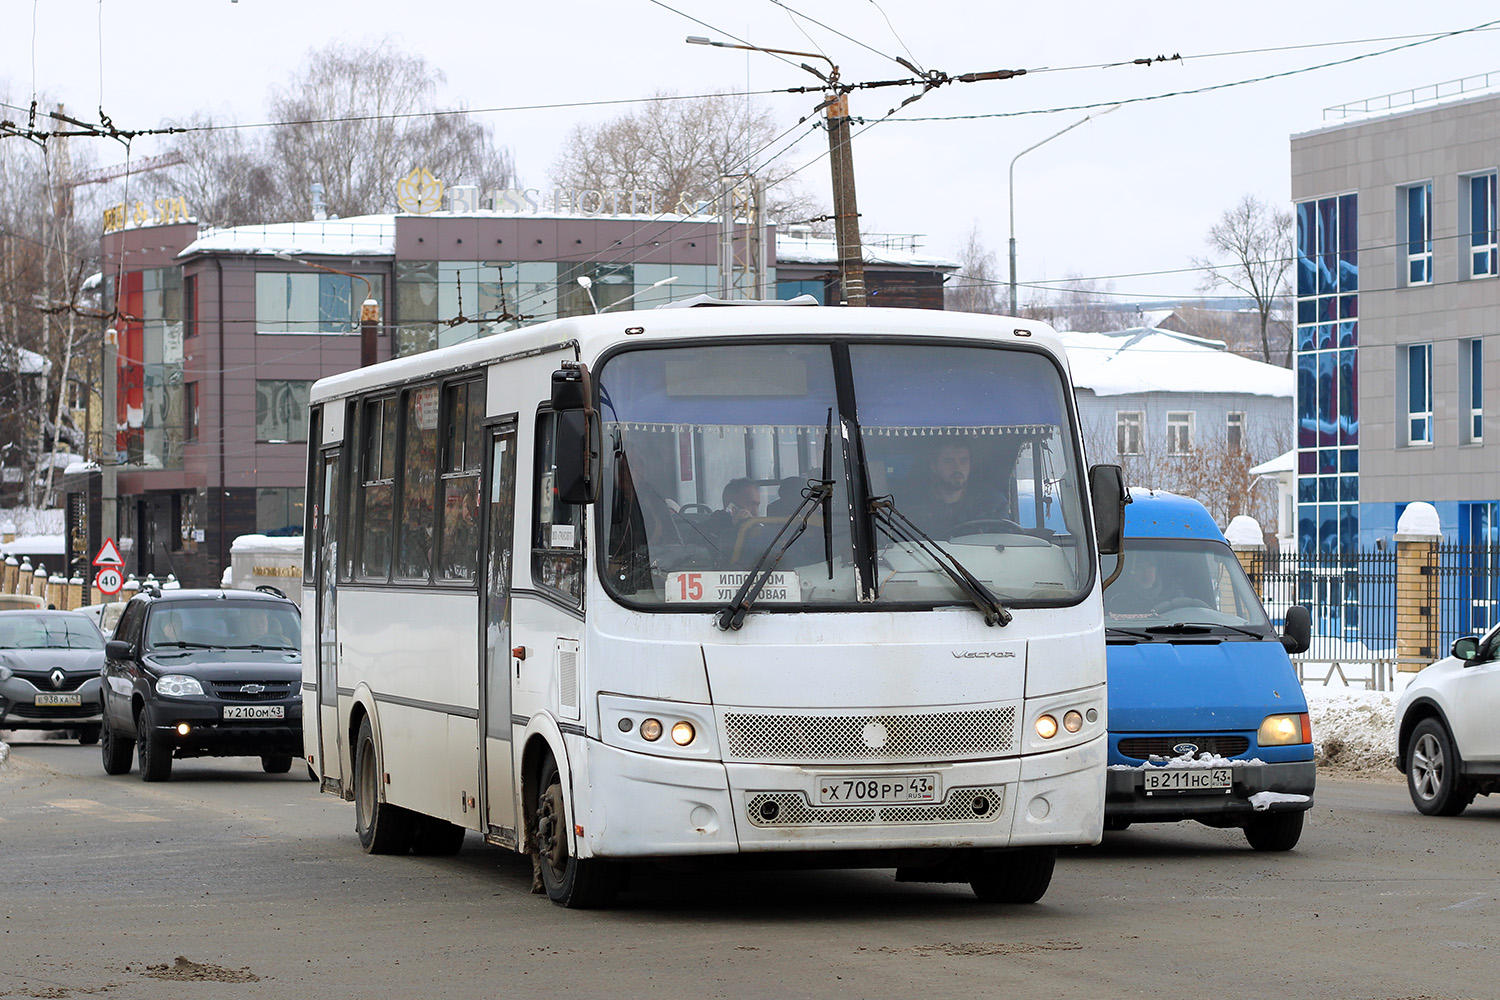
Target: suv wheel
<point>118,752</point>
<point>154,753</point>
<point>1432,772</point>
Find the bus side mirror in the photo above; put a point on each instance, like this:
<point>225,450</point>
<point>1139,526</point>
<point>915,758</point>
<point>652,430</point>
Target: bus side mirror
<point>1296,634</point>
<point>1107,487</point>
<point>576,443</point>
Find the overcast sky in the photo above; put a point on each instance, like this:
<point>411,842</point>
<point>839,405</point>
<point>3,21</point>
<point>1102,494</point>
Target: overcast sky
<point>1131,193</point>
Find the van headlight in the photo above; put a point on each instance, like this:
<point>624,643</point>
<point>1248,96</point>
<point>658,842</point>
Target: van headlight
<point>1285,730</point>
<point>178,686</point>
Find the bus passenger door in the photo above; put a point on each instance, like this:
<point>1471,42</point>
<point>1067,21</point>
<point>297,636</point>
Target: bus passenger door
<point>325,577</point>
<point>496,765</point>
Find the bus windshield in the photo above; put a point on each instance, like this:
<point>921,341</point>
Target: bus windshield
<point>711,451</point>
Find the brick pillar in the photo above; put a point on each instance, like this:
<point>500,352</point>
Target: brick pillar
<point>39,582</point>
<point>1417,538</point>
<point>1249,545</point>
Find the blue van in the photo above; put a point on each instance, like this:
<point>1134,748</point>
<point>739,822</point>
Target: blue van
<point>1207,720</point>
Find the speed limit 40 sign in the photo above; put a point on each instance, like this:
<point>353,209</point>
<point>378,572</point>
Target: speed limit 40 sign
<point>109,581</point>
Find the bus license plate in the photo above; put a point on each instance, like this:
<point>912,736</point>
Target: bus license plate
<point>57,700</point>
<point>254,711</point>
<point>837,790</point>
<point>1188,779</point>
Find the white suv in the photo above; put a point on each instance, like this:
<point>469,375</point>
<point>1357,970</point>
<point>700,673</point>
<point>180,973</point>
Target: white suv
<point>1447,742</point>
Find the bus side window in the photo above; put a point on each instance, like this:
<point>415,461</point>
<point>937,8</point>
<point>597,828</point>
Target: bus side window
<point>419,478</point>
<point>557,527</point>
<point>377,488</point>
<point>463,409</point>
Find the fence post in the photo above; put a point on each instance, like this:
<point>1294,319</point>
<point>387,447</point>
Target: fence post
<point>1249,545</point>
<point>1417,537</point>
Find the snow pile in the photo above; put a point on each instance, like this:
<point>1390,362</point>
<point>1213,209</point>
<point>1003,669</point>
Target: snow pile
<point>1244,530</point>
<point>4,753</point>
<point>1419,521</point>
<point>1261,801</point>
<point>1354,732</point>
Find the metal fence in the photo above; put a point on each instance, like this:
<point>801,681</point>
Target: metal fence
<point>1353,598</point>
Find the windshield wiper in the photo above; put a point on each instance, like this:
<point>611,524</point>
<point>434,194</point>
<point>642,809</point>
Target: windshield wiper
<point>259,645</point>
<point>184,645</point>
<point>1133,633</point>
<point>818,491</point>
<point>1179,628</point>
<point>899,527</point>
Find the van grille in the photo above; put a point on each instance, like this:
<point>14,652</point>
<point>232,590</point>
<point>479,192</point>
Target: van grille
<point>1146,747</point>
<point>935,736</point>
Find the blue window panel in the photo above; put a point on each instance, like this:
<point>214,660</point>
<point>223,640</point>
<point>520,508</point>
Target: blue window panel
<point>1325,334</point>
<point>1348,243</point>
<point>1327,401</point>
<point>1307,336</point>
<point>1348,398</point>
<point>1348,528</point>
<point>1306,228</point>
<point>1307,463</point>
<point>1328,489</point>
<point>1328,462</point>
<point>1307,532</point>
<point>1349,489</point>
<point>1307,400</point>
<point>1307,489</point>
<point>1419,234</point>
<point>1349,460</point>
<point>1307,310</point>
<point>1346,333</point>
<point>1328,261</point>
<point>1328,308</point>
<point>1328,527</point>
<point>1482,224</point>
<point>1349,307</point>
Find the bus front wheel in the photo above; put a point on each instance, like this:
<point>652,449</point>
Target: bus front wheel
<point>382,827</point>
<point>571,881</point>
<point>1013,876</point>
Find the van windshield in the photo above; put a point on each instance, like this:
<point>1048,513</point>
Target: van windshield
<point>710,452</point>
<point>1173,581</point>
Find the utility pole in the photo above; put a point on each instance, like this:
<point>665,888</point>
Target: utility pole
<point>109,521</point>
<point>845,209</point>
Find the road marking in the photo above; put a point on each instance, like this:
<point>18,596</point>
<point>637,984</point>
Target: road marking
<point>98,810</point>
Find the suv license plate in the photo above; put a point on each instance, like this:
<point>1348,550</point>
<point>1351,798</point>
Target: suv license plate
<point>839,790</point>
<point>1188,779</point>
<point>254,711</point>
<point>59,699</point>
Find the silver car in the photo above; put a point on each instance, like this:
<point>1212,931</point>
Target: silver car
<point>50,666</point>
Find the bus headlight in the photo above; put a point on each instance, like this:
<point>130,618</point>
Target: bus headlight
<point>1073,721</point>
<point>683,733</point>
<point>1285,730</point>
<point>1046,727</point>
<point>651,730</point>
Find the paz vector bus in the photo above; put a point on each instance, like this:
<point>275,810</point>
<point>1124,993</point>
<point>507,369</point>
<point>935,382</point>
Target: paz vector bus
<point>709,583</point>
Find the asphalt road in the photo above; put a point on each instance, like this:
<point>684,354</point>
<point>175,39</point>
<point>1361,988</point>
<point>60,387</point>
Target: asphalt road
<point>258,884</point>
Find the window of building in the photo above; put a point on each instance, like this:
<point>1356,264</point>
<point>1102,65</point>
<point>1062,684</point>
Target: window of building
<point>190,305</point>
<point>1234,432</point>
<point>294,302</point>
<point>1472,367</point>
<point>1180,432</point>
<point>190,411</point>
<point>185,516</point>
<point>278,510</point>
<point>1484,259</point>
<point>1129,430</point>
<point>557,529</point>
<point>281,410</point>
<point>1417,381</point>
<point>1417,235</point>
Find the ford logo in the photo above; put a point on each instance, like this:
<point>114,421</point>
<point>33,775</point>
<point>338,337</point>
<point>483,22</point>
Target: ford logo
<point>1185,749</point>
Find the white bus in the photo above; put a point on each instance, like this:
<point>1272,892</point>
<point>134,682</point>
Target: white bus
<point>814,586</point>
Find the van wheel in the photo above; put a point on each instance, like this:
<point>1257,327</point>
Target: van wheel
<point>382,827</point>
<point>1013,876</point>
<point>1432,777</point>
<point>278,763</point>
<point>118,752</point>
<point>1276,831</point>
<point>577,883</point>
<point>154,754</point>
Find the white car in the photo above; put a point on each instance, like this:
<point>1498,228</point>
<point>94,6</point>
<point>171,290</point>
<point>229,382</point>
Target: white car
<point>104,615</point>
<point>1447,742</point>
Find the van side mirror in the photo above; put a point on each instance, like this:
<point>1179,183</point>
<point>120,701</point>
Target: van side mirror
<point>1466,648</point>
<point>118,649</point>
<point>1107,488</point>
<point>576,442</point>
<point>1296,634</point>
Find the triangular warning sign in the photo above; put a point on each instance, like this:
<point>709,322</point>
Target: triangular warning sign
<point>108,554</point>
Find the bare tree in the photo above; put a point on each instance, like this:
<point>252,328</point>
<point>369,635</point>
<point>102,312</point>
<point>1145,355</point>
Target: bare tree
<point>680,150</point>
<point>976,286</point>
<point>1256,239</point>
<point>1079,304</point>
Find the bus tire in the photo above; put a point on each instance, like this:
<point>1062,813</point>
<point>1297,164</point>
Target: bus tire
<point>1013,876</point>
<point>436,838</point>
<point>577,883</point>
<point>154,754</point>
<point>382,827</point>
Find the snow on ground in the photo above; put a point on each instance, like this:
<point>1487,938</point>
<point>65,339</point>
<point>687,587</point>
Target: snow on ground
<point>1354,730</point>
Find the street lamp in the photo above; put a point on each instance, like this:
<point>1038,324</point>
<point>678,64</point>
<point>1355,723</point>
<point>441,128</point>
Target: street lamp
<point>1012,185</point>
<point>369,310</point>
<point>840,161</point>
<point>587,284</point>
<point>643,291</point>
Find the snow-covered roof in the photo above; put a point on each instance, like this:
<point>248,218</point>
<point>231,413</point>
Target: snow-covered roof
<point>357,236</point>
<point>34,545</point>
<point>1145,360</point>
<point>26,362</point>
<point>798,249</point>
<point>1281,463</point>
<point>264,544</point>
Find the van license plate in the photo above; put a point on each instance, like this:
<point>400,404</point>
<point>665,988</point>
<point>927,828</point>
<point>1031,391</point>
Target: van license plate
<point>837,790</point>
<point>1188,779</point>
<point>59,700</point>
<point>254,711</point>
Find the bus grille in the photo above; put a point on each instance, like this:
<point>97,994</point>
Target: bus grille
<point>962,805</point>
<point>1146,747</point>
<point>935,736</point>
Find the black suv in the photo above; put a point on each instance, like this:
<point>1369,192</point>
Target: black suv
<point>203,673</point>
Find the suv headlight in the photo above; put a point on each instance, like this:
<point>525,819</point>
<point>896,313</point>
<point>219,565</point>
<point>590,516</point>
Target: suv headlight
<point>178,686</point>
